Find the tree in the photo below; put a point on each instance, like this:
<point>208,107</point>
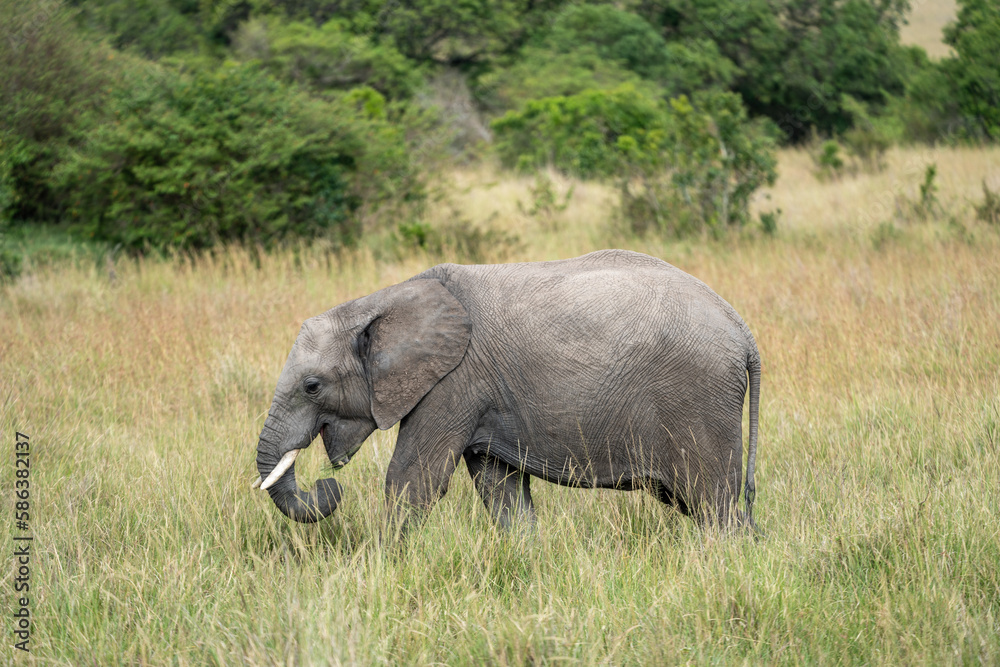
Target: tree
<point>328,57</point>
<point>796,58</point>
<point>975,70</point>
<point>232,154</point>
<point>52,87</point>
<point>679,167</point>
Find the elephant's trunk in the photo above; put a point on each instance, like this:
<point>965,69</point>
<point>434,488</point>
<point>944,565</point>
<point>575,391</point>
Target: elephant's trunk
<point>293,502</point>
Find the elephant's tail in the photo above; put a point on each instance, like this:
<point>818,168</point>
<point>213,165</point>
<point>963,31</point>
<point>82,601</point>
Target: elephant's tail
<point>749,491</point>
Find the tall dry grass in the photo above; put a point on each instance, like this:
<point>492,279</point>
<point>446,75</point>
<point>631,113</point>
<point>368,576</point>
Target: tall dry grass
<point>877,476</point>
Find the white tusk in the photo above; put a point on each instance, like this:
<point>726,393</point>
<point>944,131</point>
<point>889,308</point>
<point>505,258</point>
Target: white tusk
<point>257,482</point>
<point>284,464</point>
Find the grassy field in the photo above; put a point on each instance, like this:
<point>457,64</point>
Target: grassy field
<point>143,386</point>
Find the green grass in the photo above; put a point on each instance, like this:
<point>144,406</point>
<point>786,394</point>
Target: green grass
<point>877,476</point>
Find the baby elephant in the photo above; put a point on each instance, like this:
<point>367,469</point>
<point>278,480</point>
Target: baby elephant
<point>611,370</point>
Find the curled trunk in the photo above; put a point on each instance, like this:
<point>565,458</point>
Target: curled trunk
<point>301,506</point>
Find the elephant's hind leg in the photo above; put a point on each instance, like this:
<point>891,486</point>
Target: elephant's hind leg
<point>668,497</point>
<point>504,489</point>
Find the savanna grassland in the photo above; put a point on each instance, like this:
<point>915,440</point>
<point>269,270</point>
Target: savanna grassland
<point>144,383</point>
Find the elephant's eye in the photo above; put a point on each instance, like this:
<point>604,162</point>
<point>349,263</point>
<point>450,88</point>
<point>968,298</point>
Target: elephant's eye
<point>311,386</point>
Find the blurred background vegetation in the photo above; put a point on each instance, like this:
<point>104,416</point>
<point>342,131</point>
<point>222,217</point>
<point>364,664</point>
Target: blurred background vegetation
<point>162,125</point>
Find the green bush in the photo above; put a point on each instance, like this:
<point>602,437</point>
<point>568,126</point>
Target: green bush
<point>326,57</point>
<point>600,47</point>
<point>718,159</point>
<point>582,134</point>
<point>151,28</point>
<point>868,138</point>
<point>447,32</point>
<point>231,154</point>
<point>540,73</point>
<point>545,201</point>
<point>627,39</point>
<point>53,84</point>
<point>795,59</point>
<point>928,110</point>
<point>10,260</point>
<point>458,239</point>
<point>975,71</point>
<point>769,222</point>
<point>829,162</point>
<point>988,210</point>
<point>679,167</point>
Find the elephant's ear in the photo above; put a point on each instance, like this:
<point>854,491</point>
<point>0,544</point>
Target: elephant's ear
<point>418,335</point>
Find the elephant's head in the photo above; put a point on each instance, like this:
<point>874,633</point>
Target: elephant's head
<point>361,365</point>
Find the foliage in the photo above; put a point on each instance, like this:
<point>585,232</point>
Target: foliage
<point>796,59</point>
<point>629,40</point>
<point>540,73</point>
<point>601,47</point>
<point>152,28</point>
<point>769,221</point>
<point>366,96</point>
<point>926,205</point>
<point>615,35</point>
<point>988,210</point>
<point>867,139</point>
<point>679,167</point>
<point>928,111</point>
<point>545,201</point>
<point>438,31</point>
<point>458,239</point>
<point>954,99</point>
<point>229,154</point>
<point>584,135</point>
<point>829,162</point>
<point>928,191</point>
<point>975,70</point>
<point>717,157</point>
<point>52,86</point>
<point>327,57</point>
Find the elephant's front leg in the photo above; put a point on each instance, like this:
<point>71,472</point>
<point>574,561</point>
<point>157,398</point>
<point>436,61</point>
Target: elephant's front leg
<point>503,488</point>
<point>418,474</point>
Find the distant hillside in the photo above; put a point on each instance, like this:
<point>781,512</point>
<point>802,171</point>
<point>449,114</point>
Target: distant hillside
<point>926,21</point>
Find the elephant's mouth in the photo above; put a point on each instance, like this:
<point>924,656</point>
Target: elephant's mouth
<point>337,460</point>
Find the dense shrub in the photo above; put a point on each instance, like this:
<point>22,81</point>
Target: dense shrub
<point>975,71</point>
<point>581,135</point>
<point>629,40</point>
<point>988,210</point>
<point>541,73</point>
<point>679,167</point>
<point>230,154</point>
<point>152,28</point>
<point>52,84</point>
<point>796,59</point>
<point>600,47</point>
<point>928,110</point>
<point>328,57</point>
<point>717,159</point>
<point>868,138</point>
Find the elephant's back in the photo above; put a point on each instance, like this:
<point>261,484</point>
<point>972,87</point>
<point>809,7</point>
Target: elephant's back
<point>608,293</point>
<point>597,320</point>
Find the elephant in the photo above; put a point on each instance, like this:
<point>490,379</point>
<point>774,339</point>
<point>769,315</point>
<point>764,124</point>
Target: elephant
<point>611,370</point>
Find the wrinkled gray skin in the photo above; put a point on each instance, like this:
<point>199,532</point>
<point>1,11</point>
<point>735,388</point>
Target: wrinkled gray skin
<point>611,370</point>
